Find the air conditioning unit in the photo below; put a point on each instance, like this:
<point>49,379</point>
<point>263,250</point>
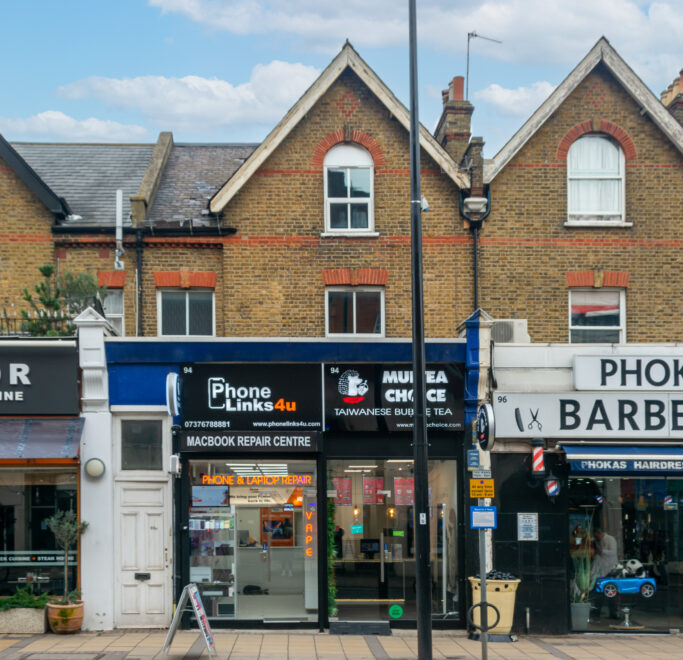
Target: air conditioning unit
<point>510,331</point>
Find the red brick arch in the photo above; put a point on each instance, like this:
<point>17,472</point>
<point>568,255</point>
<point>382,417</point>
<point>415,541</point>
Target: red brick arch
<point>358,137</point>
<point>618,133</point>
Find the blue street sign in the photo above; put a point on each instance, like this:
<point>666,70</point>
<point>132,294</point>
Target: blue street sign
<point>472,458</point>
<point>483,517</point>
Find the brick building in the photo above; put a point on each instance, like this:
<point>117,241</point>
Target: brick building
<point>582,240</point>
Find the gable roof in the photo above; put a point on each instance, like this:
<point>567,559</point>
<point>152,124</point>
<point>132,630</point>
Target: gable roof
<point>88,175</point>
<point>603,53</point>
<point>347,58</point>
<point>55,204</point>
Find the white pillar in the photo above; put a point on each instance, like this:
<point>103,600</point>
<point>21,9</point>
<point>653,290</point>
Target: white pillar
<point>96,495</point>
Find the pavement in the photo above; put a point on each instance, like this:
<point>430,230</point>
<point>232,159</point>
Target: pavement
<point>310,645</point>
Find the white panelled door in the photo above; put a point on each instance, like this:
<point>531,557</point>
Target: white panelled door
<point>144,544</point>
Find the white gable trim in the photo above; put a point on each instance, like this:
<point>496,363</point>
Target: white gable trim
<point>601,52</point>
<point>346,58</point>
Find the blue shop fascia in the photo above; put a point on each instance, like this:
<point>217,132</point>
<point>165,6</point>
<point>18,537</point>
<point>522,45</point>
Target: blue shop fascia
<point>290,474</point>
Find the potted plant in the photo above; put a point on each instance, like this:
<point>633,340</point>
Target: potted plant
<point>23,612</point>
<point>65,613</point>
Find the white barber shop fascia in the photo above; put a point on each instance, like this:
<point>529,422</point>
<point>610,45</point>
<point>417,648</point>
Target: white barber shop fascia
<point>623,392</point>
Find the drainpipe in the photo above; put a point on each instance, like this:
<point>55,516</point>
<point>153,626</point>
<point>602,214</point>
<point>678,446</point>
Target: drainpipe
<point>476,205</point>
<point>138,248</point>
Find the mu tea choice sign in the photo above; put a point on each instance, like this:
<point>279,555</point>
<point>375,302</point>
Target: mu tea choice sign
<point>250,397</point>
<point>379,397</point>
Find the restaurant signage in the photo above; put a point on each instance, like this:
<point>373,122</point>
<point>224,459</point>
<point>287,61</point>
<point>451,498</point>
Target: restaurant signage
<point>242,397</point>
<point>379,397</point>
<point>38,380</point>
<point>589,415</point>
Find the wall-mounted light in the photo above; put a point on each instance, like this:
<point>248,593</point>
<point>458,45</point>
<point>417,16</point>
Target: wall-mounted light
<point>391,512</point>
<point>356,511</point>
<point>94,468</point>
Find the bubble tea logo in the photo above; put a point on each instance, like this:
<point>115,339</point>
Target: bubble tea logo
<point>352,387</point>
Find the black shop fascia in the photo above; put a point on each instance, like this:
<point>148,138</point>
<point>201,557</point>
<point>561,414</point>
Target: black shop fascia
<point>261,445</point>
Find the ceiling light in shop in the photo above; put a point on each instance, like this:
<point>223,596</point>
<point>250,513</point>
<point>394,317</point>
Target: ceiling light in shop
<point>399,460</point>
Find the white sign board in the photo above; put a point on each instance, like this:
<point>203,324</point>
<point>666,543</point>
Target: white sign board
<point>628,372</point>
<point>587,415</point>
<point>527,526</point>
<point>191,594</point>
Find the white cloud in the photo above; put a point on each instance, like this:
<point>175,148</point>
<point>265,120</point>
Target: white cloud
<point>520,102</point>
<point>55,125</point>
<point>194,103</point>
<point>647,34</point>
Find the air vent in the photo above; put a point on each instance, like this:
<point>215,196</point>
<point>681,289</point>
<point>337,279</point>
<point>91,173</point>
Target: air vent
<point>510,331</point>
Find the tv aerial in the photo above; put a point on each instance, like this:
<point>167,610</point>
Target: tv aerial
<point>470,36</point>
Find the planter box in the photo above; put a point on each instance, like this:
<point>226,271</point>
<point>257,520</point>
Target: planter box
<point>23,620</point>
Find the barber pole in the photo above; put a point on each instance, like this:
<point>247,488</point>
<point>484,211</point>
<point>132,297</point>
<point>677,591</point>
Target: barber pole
<point>537,460</point>
<point>552,487</point>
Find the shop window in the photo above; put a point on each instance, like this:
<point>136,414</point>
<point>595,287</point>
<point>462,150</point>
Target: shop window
<point>113,309</point>
<point>29,554</point>
<point>597,316</point>
<point>348,177</point>
<point>626,552</point>
<point>357,311</point>
<point>183,313</point>
<point>253,537</point>
<point>373,539</point>
<point>595,181</point>
<point>141,445</point>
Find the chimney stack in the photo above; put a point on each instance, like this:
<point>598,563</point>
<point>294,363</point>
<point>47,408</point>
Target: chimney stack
<point>672,98</point>
<point>453,130</point>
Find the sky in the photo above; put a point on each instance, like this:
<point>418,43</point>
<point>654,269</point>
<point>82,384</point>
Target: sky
<point>228,70</point>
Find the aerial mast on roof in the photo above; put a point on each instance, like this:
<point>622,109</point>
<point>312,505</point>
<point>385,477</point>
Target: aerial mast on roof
<point>472,35</point>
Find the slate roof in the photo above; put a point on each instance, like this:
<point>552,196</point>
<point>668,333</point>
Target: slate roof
<point>193,173</point>
<point>88,176</point>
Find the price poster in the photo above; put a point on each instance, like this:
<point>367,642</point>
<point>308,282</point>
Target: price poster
<point>404,491</point>
<point>343,487</point>
<point>371,488</point>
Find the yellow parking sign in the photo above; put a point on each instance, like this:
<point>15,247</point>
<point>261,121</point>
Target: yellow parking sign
<point>481,488</point>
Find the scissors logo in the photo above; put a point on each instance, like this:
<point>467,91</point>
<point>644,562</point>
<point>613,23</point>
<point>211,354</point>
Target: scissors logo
<point>534,419</point>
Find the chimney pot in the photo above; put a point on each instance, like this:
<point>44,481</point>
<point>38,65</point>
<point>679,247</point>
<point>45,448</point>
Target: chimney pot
<point>457,88</point>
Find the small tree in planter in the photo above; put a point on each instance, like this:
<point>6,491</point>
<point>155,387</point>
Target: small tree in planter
<point>65,613</point>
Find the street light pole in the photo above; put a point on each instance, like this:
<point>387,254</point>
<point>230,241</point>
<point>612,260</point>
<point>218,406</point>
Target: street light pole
<point>420,449</point>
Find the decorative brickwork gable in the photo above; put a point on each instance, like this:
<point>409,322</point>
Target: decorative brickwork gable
<point>112,279</point>
<point>588,126</point>
<point>184,279</point>
<point>341,135</point>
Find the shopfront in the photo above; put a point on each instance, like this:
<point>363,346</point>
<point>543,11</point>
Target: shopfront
<point>297,491</point>
<point>39,459</point>
<point>613,451</point>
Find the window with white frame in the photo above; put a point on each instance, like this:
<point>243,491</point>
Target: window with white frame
<point>356,310</point>
<point>595,181</point>
<point>187,312</point>
<point>348,176</point>
<point>113,309</point>
<point>597,316</point>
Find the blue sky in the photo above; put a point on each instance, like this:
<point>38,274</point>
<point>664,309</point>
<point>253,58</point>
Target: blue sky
<point>227,70</point>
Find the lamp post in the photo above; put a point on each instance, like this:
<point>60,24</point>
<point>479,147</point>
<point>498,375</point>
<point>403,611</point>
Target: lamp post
<point>420,449</point>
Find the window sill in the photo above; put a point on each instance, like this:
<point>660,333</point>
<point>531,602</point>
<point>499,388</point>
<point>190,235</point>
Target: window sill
<point>597,223</point>
<point>349,234</point>
<point>351,337</point>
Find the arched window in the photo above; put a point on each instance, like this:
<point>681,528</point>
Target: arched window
<point>595,181</point>
<point>348,171</point>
